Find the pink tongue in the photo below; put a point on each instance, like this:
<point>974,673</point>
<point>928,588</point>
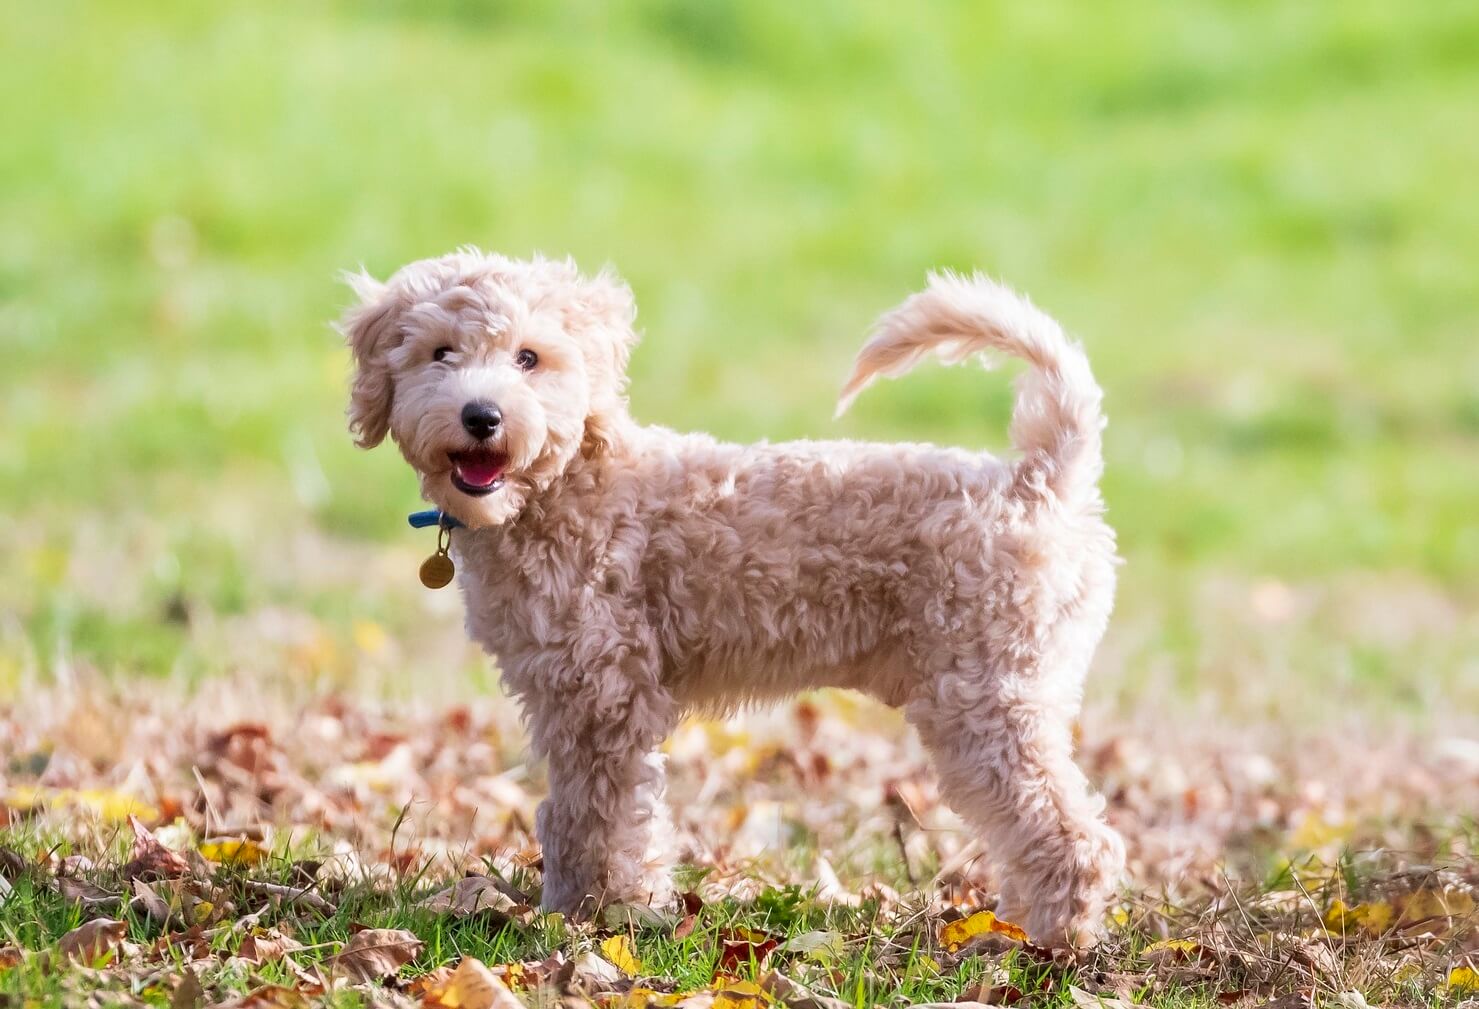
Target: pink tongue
<point>479,473</point>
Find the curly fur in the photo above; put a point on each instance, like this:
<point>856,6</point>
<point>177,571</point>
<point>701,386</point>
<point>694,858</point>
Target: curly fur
<point>627,574</point>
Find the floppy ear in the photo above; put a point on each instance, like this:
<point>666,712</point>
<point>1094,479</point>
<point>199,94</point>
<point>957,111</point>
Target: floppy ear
<point>371,329</point>
<point>606,303</point>
<point>602,314</point>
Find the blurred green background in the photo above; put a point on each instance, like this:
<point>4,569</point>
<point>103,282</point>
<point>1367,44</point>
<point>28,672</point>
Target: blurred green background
<point>1260,218</point>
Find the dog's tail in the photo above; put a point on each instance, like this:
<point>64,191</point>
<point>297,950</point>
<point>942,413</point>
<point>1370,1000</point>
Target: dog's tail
<point>1057,421</point>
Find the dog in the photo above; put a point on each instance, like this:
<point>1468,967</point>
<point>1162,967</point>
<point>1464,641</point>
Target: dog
<point>623,575</point>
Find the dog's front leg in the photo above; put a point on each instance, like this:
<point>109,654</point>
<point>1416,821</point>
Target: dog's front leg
<point>604,829</point>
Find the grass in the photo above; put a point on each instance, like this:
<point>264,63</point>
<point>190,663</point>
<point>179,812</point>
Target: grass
<point>878,952</point>
<point>1258,217</point>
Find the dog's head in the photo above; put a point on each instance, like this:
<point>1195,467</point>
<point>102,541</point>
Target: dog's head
<point>490,374</point>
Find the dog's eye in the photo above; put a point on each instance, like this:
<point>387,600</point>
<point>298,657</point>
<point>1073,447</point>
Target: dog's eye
<point>527,359</point>
<point>440,354</point>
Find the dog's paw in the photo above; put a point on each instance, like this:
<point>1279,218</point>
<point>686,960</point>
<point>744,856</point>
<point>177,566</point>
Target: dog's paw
<point>1070,912</point>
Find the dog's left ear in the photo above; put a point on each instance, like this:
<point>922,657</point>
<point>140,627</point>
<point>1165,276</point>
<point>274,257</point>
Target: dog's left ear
<point>372,330</point>
<point>602,315</point>
<point>605,308</point>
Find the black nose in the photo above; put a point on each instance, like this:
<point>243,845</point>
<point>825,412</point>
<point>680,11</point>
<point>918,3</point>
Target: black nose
<point>481,419</point>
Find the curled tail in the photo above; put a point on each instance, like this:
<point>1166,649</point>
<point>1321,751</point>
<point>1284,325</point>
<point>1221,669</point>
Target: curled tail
<point>1057,421</point>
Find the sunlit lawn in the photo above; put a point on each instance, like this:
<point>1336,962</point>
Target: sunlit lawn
<point>1260,219</point>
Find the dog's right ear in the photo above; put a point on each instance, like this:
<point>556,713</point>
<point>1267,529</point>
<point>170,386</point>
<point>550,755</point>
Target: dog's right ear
<point>371,329</point>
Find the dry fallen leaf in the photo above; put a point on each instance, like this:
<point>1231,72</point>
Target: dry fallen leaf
<point>1088,1000</point>
<point>374,954</point>
<point>732,993</point>
<point>1462,979</point>
<point>188,994</point>
<point>237,852</point>
<point>957,933</point>
<point>1430,903</point>
<point>477,895</point>
<point>150,859</point>
<point>795,995</point>
<point>149,903</point>
<point>92,941</point>
<point>1172,951</point>
<point>824,947</point>
<point>740,947</point>
<point>263,945</point>
<point>618,949</point>
<point>272,996</point>
<point>593,974</point>
<point>471,986</point>
<point>87,896</point>
<point>1373,919</point>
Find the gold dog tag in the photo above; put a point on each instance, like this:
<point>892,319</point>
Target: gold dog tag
<point>438,569</point>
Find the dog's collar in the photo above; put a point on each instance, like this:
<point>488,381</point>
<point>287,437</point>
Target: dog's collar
<point>422,520</point>
<point>438,569</point>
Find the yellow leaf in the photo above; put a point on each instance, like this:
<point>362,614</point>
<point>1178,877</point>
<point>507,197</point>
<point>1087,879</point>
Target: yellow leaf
<point>240,852</point>
<point>471,986</point>
<point>1463,979</point>
<point>732,993</point>
<point>514,975</point>
<point>1173,950</point>
<point>369,637</point>
<point>618,949</point>
<point>643,998</point>
<point>107,804</point>
<point>1374,918</point>
<point>1429,903</point>
<point>1314,831</point>
<point>956,934</point>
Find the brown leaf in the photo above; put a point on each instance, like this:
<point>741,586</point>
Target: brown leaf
<point>997,994</point>
<point>149,903</point>
<point>91,941</point>
<point>593,974</point>
<point>796,995</point>
<point>13,865</point>
<point>262,945</point>
<point>1301,999</point>
<point>686,926</point>
<point>1088,1000</point>
<point>151,860</point>
<point>10,956</point>
<point>188,994</point>
<point>87,896</point>
<point>287,895</point>
<point>741,946</point>
<point>375,954</point>
<point>273,996</point>
<point>477,895</point>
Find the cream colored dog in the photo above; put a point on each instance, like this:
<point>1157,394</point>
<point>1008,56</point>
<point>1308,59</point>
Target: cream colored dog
<point>623,574</point>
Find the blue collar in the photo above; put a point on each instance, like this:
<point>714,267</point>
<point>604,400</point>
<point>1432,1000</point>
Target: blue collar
<point>421,520</point>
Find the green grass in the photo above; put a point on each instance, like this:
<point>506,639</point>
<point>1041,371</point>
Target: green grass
<point>1259,217</point>
<point>877,953</point>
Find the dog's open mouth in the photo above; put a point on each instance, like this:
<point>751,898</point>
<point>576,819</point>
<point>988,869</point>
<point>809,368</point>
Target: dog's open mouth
<point>478,472</point>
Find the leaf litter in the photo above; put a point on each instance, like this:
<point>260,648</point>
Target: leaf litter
<point>212,860</point>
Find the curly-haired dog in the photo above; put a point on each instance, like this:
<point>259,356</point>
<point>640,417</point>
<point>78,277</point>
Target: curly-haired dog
<point>623,574</point>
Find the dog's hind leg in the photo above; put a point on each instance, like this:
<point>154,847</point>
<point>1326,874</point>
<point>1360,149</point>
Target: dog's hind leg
<point>1006,766</point>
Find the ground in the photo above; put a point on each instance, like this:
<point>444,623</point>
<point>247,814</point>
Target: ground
<point>1258,219</point>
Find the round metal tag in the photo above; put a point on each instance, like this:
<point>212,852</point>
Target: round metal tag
<point>436,571</point>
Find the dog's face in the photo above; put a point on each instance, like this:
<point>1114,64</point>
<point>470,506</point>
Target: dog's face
<point>490,374</point>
